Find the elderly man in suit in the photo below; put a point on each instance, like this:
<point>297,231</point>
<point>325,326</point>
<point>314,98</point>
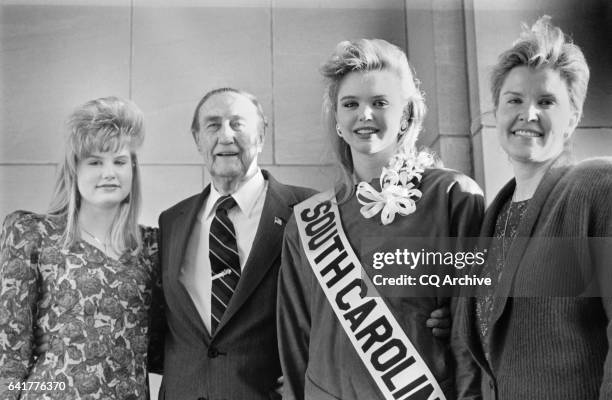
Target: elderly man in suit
<point>220,255</point>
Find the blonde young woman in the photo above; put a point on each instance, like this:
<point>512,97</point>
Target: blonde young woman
<point>374,111</point>
<point>84,272</point>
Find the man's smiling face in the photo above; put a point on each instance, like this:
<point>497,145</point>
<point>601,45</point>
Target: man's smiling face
<point>230,136</point>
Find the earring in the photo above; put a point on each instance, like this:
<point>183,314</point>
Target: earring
<point>338,131</point>
<point>403,129</point>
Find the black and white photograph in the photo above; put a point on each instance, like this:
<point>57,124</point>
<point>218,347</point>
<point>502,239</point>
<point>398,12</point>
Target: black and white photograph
<point>306,199</point>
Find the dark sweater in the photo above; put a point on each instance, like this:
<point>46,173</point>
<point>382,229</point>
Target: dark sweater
<point>548,339</point>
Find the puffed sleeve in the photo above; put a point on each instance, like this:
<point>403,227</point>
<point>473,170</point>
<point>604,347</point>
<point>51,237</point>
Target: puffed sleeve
<point>19,250</point>
<point>467,211</point>
<point>293,313</point>
<point>157,315</point>
<point>466,207</point>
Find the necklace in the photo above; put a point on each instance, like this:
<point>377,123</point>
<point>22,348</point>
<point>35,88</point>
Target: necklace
<point>101,243</point>
<point>504,233</point>
<point>506,227</point>
<point>519,207</point>
<point>508,215</point>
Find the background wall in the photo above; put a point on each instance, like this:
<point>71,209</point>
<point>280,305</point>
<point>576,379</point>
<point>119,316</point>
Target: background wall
<point>57,54</point>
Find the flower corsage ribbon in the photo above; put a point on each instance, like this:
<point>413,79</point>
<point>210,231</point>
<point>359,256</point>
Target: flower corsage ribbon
<point>399,188</point>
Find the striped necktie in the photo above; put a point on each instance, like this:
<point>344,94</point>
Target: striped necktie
<point>224,261</point>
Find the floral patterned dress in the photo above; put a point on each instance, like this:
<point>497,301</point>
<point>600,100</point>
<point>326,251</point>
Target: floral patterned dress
<point>95,309</point>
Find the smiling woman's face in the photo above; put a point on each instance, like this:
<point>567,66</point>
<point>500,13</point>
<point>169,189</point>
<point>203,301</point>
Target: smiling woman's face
<point>534,115</point>
<point>104,179</point>
<point>369,111</point>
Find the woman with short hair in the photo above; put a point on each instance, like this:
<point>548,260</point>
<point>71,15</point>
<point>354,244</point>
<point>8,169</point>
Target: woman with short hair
<point>542,333</point>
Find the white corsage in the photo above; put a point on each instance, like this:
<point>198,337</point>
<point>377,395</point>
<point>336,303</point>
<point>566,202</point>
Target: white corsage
<point>399,188</point>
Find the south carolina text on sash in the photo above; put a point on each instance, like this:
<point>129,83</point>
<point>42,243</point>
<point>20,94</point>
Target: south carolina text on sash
<point>390,357</point>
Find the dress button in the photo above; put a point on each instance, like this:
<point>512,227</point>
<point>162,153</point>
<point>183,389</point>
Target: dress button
<point>213,352</point>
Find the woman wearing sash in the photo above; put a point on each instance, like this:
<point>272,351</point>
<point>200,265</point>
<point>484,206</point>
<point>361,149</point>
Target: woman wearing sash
<point>374,111</point>
<point>541,334</point>
<point>84,272</point>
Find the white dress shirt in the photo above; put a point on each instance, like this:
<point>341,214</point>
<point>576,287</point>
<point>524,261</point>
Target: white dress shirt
<point>195,271</point>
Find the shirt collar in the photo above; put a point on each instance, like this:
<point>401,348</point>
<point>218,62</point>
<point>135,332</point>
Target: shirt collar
<point>246,196</point>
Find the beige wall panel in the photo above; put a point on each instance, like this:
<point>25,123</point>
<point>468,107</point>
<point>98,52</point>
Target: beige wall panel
<point>317,177</point>
<point>589,22</point>
<point>477,158</point>
<point>455,152</point>
<point>497,168</point>
<point>437,51</point>
<point>471,58</point>
<point>26,187</point>
<point>420,30</point>
<point>53,57</point>
<point>304,36</point>
<point>181,52</point>
<point>452,89</point>
<point>592,143</point>
<point>164,186</point>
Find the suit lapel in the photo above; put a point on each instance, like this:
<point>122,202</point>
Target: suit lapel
<point>524,232</point>
<point>182,229</point>
<point>266,246</point>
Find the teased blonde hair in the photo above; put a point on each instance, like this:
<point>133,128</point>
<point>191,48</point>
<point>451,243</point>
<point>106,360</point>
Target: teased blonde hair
<point>101,125</point>
<point>365,55</point>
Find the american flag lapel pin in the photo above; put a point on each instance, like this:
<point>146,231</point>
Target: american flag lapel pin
<point>278,221</point>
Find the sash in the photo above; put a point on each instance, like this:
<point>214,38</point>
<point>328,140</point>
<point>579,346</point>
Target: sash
<point>389,356</point>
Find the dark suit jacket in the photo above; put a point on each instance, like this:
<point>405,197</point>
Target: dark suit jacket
<point>240,361</point>
<point>547,334</point>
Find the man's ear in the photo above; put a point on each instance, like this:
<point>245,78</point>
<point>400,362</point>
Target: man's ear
<point>261,135</point>
<point>196,139</point>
